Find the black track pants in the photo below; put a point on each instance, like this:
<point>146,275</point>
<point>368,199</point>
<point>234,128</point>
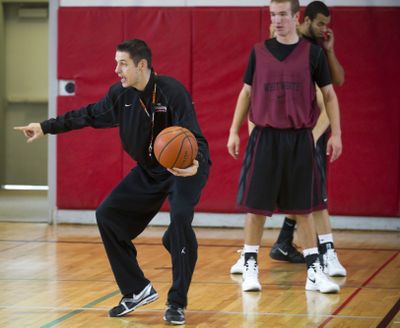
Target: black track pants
<point>129,208</point>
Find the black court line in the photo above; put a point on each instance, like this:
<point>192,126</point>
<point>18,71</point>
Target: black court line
<point>390,315</point>
<point>352,296</point>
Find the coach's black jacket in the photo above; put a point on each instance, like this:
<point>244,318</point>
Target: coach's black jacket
<point>121,107</point>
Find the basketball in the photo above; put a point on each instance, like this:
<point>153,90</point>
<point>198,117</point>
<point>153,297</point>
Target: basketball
<point>175,146</point>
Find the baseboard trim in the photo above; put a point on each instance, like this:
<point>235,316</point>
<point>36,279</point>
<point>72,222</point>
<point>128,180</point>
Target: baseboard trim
<point>237,220</point>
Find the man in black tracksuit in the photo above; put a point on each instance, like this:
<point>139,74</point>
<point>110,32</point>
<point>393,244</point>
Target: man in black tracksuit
<point>141,105</point>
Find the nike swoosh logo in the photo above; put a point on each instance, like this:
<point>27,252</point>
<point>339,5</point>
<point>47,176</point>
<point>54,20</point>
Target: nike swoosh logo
<point>313,281</point>
<point>283,252</point>
<point>128,105</point>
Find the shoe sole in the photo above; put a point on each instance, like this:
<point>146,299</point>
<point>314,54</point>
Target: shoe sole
<point>332,290</point>
<point>335,274</point>
<point>284,259</point>
<point>145,301</point>
<point>252,289</point>
<point>174,322</point>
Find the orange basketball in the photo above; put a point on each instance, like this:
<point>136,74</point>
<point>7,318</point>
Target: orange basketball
<point>175,146</point>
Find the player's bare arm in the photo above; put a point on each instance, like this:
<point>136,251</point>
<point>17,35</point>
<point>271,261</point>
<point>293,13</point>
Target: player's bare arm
<point>241,111</point>
<point>334,147</point>
<point>31,131</point>
<point>336,69</point>
<point>323,119</point>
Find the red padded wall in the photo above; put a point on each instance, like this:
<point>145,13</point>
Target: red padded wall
<point>222,39</point>
<point>365,180</point>
<point>89,161</point>
<point>207,49</point>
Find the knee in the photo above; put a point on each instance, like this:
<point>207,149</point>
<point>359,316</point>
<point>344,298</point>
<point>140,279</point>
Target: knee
<point>182,217</point>
<point>101,215</point>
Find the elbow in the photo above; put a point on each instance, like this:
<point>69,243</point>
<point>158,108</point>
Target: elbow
<point>338,80</point>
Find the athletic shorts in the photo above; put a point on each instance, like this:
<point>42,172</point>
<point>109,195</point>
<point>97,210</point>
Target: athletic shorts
<point>320,174</point>
<point>277,172</point>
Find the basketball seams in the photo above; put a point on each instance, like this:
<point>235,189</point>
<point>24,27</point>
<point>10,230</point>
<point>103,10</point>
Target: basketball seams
<point>180,150</point>
<point>176,147</point>
<point>191,147</point>
<point>190,136</point>
<point>169,142</point>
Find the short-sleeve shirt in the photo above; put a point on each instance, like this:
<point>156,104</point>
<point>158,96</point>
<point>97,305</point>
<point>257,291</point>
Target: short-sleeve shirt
<point>319,68</point>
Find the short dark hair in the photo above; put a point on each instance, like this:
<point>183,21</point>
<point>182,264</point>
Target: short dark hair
<point>314,8</point>
<point>137,49</point>
<point>294,4</point>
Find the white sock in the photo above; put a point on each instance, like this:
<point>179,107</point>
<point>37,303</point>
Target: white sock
<point>250,248</point>
<point>323,239</point>
<point>310,251</point>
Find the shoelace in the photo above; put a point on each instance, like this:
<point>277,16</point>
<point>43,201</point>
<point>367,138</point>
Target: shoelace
<point>178,309</point>
<point>319,272</point>
<point>251,267</point>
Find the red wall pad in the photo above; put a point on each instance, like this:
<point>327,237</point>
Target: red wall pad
<point>86,47</point>
<point>89,162</point>
<point>207,49</point>
<point>365,180</point>
<point>222,41</point>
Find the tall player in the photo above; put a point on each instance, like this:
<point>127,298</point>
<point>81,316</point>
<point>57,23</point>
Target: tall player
<point>315,29</point>
<point>280,85</point>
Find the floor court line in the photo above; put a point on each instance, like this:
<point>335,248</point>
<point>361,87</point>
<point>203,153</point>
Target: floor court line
<point>160,244</point>
<point>353,295</point>
<point>76,311</point>
<point>390,315</point>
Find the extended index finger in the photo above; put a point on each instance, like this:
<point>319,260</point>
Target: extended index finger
<point>20,128</point>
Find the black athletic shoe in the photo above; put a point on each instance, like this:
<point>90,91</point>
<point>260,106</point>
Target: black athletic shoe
<point>129,303</point>
<point>175,315</point>
<point>285,251</point>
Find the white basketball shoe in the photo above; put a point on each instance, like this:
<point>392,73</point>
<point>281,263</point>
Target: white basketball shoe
<point>250,276</point>
<point>318,281</point>
<point>332,266</point>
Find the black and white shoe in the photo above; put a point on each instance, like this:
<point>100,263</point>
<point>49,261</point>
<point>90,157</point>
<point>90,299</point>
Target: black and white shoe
<point>318,281</point>
<point>130,302</point>
<point>286,251</point>
<point>175,315</point>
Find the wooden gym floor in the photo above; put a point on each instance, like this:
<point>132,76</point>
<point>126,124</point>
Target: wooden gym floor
<point>58,276</point>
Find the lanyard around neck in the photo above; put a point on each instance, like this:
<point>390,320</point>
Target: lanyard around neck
<point>153,103</point>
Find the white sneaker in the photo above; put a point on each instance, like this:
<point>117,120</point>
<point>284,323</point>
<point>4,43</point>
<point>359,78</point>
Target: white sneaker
<point>237,268</point>
<point>316,280</point>
<point>250,276</point>
<point>332,266</point>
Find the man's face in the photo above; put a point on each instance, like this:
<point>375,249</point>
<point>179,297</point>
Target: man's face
<point>127,70</point>
<point>282,19</point>
<point>319,26</point>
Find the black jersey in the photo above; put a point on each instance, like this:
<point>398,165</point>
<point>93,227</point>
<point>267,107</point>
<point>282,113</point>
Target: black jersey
<point>138,124</point>
<point>319,68</point>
